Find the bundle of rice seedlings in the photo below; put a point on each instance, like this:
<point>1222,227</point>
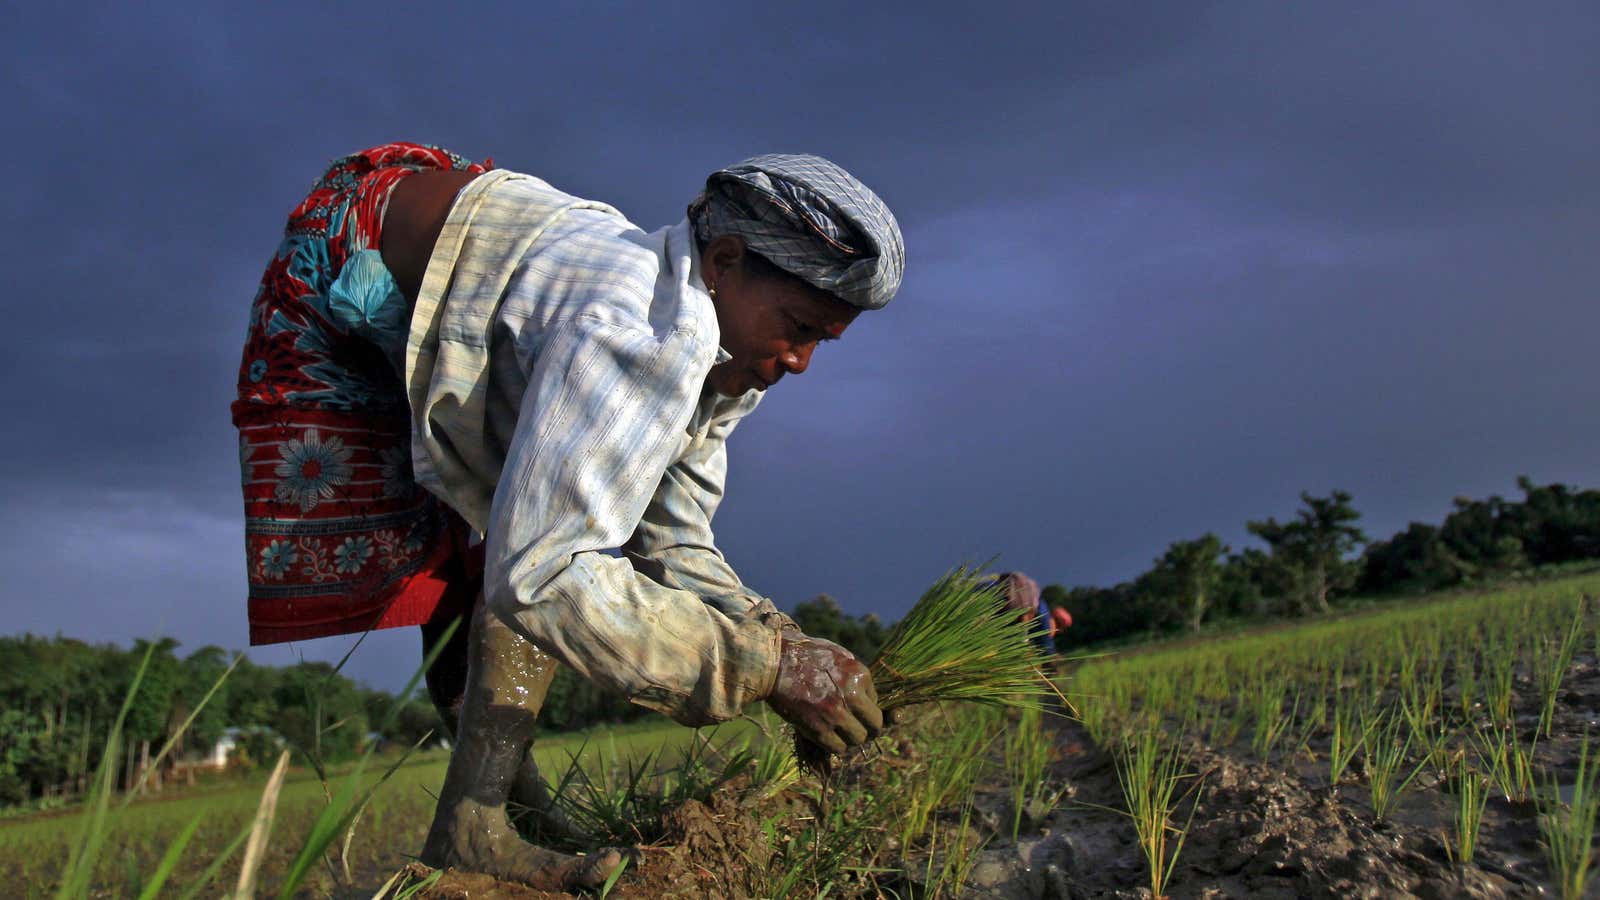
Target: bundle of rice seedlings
<point>960,642</point>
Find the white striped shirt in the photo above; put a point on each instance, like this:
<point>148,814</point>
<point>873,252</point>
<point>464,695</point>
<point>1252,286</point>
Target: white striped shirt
<point>556,370</point>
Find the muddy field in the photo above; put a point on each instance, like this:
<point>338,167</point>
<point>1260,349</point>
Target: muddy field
<point>1259,830</point>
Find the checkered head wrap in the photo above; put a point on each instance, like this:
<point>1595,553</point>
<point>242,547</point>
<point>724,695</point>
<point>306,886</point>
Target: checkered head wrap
<point>809,218</point>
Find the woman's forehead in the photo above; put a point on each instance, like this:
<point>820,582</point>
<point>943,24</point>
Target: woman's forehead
<point>831,312</point>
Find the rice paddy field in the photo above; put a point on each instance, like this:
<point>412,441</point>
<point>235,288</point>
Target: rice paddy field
<point>1432,747</point>
<point>1441,748</point>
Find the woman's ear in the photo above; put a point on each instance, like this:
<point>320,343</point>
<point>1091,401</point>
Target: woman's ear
<point>722,254</point>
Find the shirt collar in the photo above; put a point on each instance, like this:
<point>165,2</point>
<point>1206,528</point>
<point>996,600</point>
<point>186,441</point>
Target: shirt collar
<point>684,231</point>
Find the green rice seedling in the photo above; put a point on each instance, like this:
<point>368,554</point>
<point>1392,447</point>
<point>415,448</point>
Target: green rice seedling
<point>1308,726</point>
<point>1028,752</point>
<point>1568,828</point>
<point>214,869</point>
<point>1270,720</point>
<point>1423,695</point>
<point>611,880</point>
<point>1410,662</point>
<point>813,860</point>
<point>1472,796</point>
<point>1430,734</point>
<point>771,768</point>
<point>1266,707</point>
<point>80,866</point>
<point>402,885</point>
<point>959,642</point>
<point>1386,757</point>
<point>950,771</point>
<point>1374,680</point>
<point>1509,764</point>
<point>956,864</point>
<point>608,804</point>
<point>1500,683</point>
<point>82,863</point>
<point>1206,718</point>
<point>1352,725</point>
<point>1466,681</point>
<point>169,861</point>
<point>1150,774</point>
<point>1225,726</point>
<point>1551,660</point>
<point>1316,717</point>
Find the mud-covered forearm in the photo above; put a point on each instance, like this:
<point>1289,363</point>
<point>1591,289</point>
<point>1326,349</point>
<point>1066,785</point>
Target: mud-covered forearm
<point>661,648</point>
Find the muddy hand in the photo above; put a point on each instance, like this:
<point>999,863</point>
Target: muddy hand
<point>825,693</point>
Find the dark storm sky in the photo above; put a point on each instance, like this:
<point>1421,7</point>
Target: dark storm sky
<point>1168,265</point>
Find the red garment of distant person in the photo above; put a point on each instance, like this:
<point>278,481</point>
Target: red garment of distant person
<point>1060,620</point>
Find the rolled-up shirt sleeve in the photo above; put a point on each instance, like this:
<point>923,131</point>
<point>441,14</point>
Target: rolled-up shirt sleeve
<point>673,543</point>
<point>601,421</point>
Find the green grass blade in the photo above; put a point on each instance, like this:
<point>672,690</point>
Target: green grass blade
<point>80,865</point>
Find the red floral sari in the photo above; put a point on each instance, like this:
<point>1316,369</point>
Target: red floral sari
<point>338,536</point>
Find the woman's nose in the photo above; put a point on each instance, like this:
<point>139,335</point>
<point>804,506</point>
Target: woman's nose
<point>797,359</point>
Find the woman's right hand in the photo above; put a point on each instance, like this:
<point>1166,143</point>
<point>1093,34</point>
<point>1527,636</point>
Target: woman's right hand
<point>825,693</point>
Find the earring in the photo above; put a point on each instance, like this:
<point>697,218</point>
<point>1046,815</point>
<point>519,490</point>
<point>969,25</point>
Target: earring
<point>712,292</point>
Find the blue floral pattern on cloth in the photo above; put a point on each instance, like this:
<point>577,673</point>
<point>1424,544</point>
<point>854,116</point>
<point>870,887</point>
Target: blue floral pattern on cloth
<point>365,301</point>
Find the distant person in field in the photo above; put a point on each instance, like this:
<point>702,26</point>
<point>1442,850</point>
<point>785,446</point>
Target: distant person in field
<point>1021,595</point>
<point>1060,621</point>
<point>462,386</point>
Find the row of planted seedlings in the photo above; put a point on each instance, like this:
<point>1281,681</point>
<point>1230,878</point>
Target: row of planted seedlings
<point>1460,693</point>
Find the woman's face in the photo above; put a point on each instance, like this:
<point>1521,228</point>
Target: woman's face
<point>771,322</point>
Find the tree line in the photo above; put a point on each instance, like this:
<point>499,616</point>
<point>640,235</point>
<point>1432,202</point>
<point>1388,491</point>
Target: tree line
<point>1321,554</point>
<point>59,697</point>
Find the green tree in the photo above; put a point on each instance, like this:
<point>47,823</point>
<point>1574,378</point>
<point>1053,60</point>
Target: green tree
<point>822,617</point>
<point>1486,536</point>
<point>1187,577</point>
<point>1309,553</point>
<point>319,712</point>
<point>1054,595</point>
<point>1416,559</point>
<point>576,702</point>
<point>1102,614</point>
<point>201,669</point>
<point>1556,523</point>
<point>1242,585</point>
